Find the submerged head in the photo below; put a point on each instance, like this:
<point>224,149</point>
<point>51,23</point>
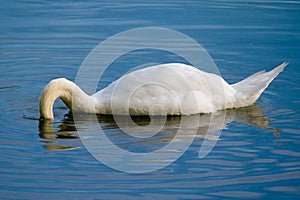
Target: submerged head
<point>57,88</point>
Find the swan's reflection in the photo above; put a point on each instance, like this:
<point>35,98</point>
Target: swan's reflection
<point>206,123</point>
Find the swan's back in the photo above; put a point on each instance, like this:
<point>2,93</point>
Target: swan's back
<point>171,89</point>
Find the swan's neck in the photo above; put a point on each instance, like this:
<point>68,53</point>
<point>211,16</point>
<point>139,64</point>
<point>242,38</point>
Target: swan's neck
<point>74,98</point>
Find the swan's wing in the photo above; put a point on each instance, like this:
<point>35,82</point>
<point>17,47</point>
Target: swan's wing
<point>170,85</point>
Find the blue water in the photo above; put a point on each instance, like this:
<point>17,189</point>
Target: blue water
<point>257,154</point>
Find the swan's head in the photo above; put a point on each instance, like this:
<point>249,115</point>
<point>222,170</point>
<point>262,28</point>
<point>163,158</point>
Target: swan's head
<point>57,88</point>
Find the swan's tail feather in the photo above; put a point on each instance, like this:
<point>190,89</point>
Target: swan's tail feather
<point>249,89</point>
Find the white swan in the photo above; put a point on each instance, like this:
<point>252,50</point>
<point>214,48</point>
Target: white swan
<point>166,89</point>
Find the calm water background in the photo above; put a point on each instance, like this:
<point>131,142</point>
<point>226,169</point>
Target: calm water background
<point>43,40</point>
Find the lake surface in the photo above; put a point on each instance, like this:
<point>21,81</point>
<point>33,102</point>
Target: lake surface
<point>257,154</point>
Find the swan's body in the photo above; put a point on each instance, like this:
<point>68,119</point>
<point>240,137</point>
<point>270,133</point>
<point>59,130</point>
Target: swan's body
<point>166,89</point>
